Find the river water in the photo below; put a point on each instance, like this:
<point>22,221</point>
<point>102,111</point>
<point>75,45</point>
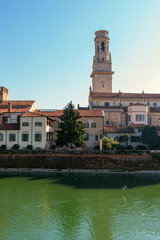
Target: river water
<point>79,206</point>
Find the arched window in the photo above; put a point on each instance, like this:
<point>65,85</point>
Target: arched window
<point>18,118</point>
<point>5,119</point>
<point>106,104</point>
<point>102,46</point>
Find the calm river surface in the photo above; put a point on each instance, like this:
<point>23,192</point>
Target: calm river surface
<point>79,206</point>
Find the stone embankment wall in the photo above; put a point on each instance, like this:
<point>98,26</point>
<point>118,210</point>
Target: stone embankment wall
<point>61,161</point>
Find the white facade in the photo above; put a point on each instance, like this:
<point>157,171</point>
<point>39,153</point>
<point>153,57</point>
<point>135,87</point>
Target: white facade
<point>36,129</point>
<point>138,114</point>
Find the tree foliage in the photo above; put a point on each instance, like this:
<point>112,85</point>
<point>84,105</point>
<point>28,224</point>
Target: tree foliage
<point>109,143</point>
<point>71,129</point>
<point>149,136</point>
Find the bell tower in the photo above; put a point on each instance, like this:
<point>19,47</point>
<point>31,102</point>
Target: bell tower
<point>102,65</point>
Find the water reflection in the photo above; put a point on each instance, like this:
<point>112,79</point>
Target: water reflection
<point>79,206</point>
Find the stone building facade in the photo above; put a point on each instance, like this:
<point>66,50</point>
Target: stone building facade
<point>120,109</point>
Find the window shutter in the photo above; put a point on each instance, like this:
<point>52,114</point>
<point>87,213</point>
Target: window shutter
<point>22,137</point>
<point>27,137</point>
<point>40,137</point>
<point>87,136</point>
<point>35,137</point>
<point>10,137</point>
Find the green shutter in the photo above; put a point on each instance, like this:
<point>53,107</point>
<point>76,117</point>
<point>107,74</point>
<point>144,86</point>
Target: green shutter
<point>27,137</point>
<point>22,137</point>
<point>87,136</point>
<point>10,137</point>
<point>1,137</point>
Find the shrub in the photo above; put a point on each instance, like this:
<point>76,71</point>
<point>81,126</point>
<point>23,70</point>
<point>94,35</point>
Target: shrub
<point>29,147</point>
<point>109,143</point>
<point>120,147</point>
<point>96,147</point>
<point>141,147</point>
<point>52,146</point>
<point>108,146</point>
<point>16,146</point>
<point>3,147</point>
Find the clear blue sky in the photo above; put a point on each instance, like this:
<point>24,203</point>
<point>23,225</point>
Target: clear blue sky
<point>47,47</point>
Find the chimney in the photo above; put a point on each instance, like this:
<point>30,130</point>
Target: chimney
<point>3,94</point>
<point>9,107</point>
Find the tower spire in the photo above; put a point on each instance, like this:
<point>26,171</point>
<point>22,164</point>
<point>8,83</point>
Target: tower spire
<point>102,66</point>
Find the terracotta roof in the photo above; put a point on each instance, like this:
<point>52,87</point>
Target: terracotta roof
<point>58,113</point>
<point>91,113</point>
<point>17,103</point>
<point>124,95</point>
<point>127,129</point>
<point>17,106</point>
<point>38,113</point>
<point>137,125</point>
<point>10,126</point>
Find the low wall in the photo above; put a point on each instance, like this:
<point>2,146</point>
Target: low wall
<point>61,161</point>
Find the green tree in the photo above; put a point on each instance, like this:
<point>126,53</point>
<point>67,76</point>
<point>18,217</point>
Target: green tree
<point>71,129</point>
<point>109,143</point>
<point>149,136</point>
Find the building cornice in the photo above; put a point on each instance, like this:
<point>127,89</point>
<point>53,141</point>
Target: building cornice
<point>101,73</point>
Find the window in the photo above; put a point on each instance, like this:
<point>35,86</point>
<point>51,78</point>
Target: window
<point>102,46</point>
<point>107,122</point>
<point>38,137</point>
<point>140,117</point>
<point>49,136</point>
<point>93,125</point>
<point>96,137</point>
<point>154,104</point>
<point>86,125</point>
<point>25,124</point>
<point>102,85</point>
<point>129,118</point>
<point>18,118</point>
<point>98,49</point>
<point>12,137</point>
<point>5,119</point>
<point>86,136</point>
<point>38,124</point>
<point>106,104</point>
<point>25,137</point>
<point>1,137</point>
